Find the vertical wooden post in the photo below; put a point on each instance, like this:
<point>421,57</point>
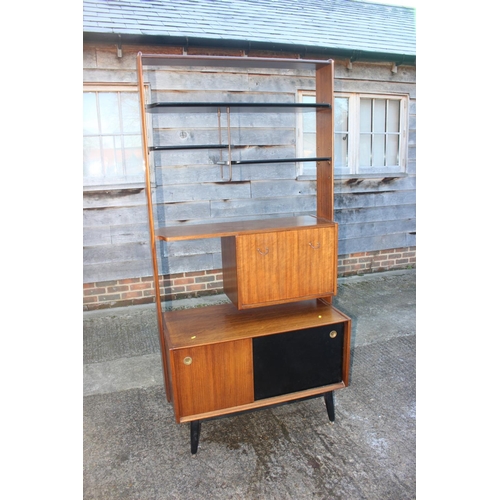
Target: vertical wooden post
<point>325,147</point>
<point>325,141</point>
<point>152,235</point>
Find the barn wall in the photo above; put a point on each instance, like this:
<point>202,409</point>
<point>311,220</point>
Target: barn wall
<point>374,214</point>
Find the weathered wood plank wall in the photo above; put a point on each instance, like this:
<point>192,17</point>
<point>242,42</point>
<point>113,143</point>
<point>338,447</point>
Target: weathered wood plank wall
<point>373,213</point>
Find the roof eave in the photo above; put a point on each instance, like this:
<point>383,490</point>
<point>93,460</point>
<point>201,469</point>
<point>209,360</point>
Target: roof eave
<point>304,50</point>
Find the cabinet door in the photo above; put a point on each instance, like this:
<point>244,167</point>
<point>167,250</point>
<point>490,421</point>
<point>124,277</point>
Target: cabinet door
<point>284,266</point>
<point>212,377</point>
<point>298,360</point>
<point>260,267</point>
<point>316,260</point>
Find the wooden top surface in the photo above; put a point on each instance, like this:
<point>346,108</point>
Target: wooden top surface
<point>208,325</point>
<point>219,229</point>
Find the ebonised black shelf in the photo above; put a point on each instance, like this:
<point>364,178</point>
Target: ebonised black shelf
<point>236,162</point>
<point>274,160</point>
<point>163,106</point>
<point>189,146</point>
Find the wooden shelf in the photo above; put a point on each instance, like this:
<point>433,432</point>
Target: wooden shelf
<point>224,323</point>
<point>221,229</point>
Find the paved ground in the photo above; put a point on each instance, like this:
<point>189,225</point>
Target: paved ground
<point>133,449</point>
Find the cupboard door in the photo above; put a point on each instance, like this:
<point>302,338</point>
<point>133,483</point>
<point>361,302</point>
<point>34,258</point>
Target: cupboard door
<point>284,266</point>
<point>260,268</point>
<point>212,377</point>
<point>298,360</point>
<point>316,260</point>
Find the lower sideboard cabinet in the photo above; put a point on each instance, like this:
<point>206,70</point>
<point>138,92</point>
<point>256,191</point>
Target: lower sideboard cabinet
<point>223,360</point>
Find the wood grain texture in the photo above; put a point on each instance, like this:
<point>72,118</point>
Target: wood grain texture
<point>347,353</point>
<point>218,376</point>
<point>229,270</point>
<point>263,403</point>
<point>274,268</point>
<point>325,142</point>
<point>223,323</point>
<point>221,229</point>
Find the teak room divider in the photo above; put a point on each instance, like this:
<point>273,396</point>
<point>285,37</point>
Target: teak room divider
<point>280,339</point>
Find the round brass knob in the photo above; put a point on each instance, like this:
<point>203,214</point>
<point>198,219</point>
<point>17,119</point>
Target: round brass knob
<point>333,334</point>
<point>188,360</point>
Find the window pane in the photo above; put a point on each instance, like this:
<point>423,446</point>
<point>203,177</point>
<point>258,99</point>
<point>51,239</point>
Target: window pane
<point>308,117</point>
<point>92,157</point>
<point>380,142</point>
<point>378,150</point>
<point>309,122</point>
<point>133,154</point>
<point>120,165</point>
<point>365,151</point>
<point>341,114</point>
<point>379,115</point>
<point>109,156</point>
<point>309,145</point>
<point>109,113</point>
<point>90,122</point>
<point>393,116</point>
<point>365,115</point>
<point>392,150</point>
<point>341,132</point>
<point>341,143</point>
<point>130,112</point>
<point>112,148</point>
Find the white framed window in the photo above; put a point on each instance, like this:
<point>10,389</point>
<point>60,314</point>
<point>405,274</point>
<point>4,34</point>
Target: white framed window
<point>112,144</point>
<point>370,134</point>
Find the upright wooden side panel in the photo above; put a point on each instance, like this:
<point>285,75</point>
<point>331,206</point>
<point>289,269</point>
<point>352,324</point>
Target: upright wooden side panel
<point>229,268</point>
<point>347,352</point>
<point>324,141</point>
<point>335,259</point>
<point>325,147</point>
<point>152,235</point>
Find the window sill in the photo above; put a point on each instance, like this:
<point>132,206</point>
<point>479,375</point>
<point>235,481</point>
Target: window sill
<point>132,186</point>
<point>383,176</point>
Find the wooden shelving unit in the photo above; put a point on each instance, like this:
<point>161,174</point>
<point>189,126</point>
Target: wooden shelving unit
<point>280,339</point>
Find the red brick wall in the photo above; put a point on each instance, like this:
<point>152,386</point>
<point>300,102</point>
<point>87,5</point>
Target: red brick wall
<point>135,291</point>
<point>378,261</point>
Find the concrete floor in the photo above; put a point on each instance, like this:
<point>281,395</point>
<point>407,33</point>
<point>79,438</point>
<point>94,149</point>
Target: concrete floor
<point>134,449</point>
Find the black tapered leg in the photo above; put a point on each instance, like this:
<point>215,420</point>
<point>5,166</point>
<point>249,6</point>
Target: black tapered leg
<point>330,406</point>
<point>195,435</point>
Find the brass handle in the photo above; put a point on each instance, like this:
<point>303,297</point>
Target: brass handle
<point>265,252</point>
<point>314,247</point>
<point>333,334</point>
<point>188,360</point>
